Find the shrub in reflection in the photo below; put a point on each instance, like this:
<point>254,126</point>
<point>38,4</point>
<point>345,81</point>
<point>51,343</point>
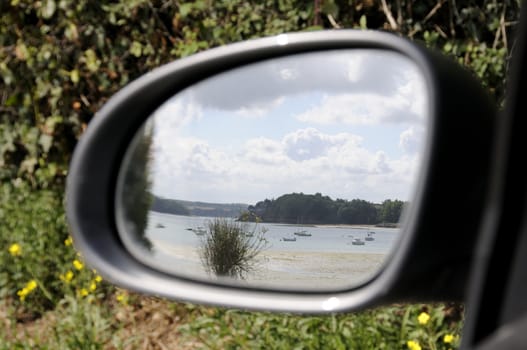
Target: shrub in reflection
<point>230,248</point>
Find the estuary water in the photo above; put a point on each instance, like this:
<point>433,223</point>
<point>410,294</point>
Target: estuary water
<point>327,255</point>
<point>176,231</point>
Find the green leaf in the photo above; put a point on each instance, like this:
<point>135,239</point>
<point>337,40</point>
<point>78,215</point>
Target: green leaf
<point>185,9</point>
<point>48,9</point>
<point>74,76</point>
<point>71,32</point>
<point>46,141</point>
<point>363,22</point>
<point>136,48</point>
<point>91,61</point>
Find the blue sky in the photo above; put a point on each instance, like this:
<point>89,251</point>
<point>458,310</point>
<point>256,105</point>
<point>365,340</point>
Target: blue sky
<point>349,124</point>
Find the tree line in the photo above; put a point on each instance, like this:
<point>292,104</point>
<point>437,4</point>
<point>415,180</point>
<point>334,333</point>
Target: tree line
<point>181,207</point>
<point>300,208</point>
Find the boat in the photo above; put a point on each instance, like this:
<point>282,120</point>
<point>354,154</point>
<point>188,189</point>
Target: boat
<point>160,226</point>
<point>357,241</point>
<point>199,231</point>
<point>249,234</point>
<point>369,237</point>
<point>289,239</point>
<point>303,233</point>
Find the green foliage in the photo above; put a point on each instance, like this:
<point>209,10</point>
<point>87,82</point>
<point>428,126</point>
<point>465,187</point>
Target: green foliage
<point>61,60</point>
<point>229,248</point>
<point>383,328</point>
<point>75,324</point>
<point>390,210</point>
<point>300,208</point>
<point>41,250</point>
<point>39,264</point>
<point>136,192</point>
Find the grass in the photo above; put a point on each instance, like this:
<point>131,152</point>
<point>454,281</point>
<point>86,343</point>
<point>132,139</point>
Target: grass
<point>150,323</point>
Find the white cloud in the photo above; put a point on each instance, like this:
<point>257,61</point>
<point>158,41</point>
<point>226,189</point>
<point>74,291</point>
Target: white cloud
<point>258,110</point>
<point>305,160</point>
<point>412,139</point>
<point>310,143</point>
<point>359,109</point>
<point>178,112</point>
<point>413,89</point>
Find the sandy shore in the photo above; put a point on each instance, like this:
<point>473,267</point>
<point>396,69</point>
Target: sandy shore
<point>285,269</point>
<point>315,270</point>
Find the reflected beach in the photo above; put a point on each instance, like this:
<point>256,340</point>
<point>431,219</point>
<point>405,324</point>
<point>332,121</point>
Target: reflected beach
<point>325,260</point>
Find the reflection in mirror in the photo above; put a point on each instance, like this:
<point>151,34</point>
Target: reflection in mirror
<point>287,173</point>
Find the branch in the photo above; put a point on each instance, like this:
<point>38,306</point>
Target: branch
<point>503,29</point>
<point>434,10</point>
<point>440,31</point>
<point>334,23</point>
<point>389,15</point>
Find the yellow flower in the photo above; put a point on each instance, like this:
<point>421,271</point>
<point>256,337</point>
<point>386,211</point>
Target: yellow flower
<point>22,294</point>
<point>413,345</point>
<point>68,241</point>
<point>83,292</point>
<point>93,286</point>
<point>15,249</point>
<point>448,338</point>
<point>423,318</point>
<point>77,264</point>
<point>98,279</point>
<point>30,286</point>
<point>122,298</point>
<point>67,277</point>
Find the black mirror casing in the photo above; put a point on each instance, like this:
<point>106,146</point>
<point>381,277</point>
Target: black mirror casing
<point>431,261</point>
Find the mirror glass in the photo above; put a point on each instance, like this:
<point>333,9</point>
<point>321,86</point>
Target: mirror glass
<point>287,173</point>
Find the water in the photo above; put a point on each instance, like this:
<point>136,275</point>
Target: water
<point>324,239</point>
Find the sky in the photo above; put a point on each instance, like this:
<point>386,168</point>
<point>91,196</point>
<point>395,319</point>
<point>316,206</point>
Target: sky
<point>348,124</point>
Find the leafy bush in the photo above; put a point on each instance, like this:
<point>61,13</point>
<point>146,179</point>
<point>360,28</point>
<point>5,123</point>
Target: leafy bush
<point>39,264</point>
<point>230,248</point>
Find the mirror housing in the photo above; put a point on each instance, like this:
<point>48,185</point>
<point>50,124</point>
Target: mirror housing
<point>431,261</point>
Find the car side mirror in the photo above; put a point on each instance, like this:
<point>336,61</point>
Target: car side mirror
<point>308,172</point>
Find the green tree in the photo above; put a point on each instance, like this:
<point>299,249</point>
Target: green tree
<point>390,211</point>
<point>136,194</point>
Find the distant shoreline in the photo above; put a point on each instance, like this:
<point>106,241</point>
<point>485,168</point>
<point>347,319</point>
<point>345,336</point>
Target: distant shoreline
<point>351,226</point>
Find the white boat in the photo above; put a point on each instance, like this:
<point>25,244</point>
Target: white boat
<point>289,239</point>
<point>369,237</point>
<point>199,231</point>
<point>357,241</point>
<point>303,233</point>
